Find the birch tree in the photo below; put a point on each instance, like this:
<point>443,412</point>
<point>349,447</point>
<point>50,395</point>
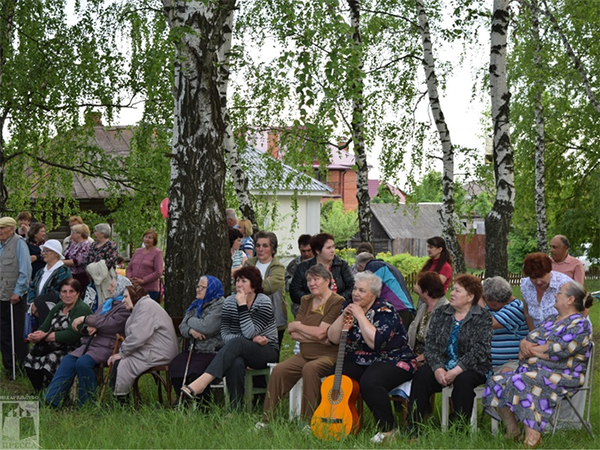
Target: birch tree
<point>497,221</point>
<point>197,240</point>
<point>447,211</point>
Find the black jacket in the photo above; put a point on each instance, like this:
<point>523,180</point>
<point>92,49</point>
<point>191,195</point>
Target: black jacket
<point>340,270</point>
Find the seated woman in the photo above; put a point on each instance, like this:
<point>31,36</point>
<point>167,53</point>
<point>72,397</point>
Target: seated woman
<point>539,288</point>
<point>201,324</point>
<point>440,260</point>
<point>250,336</point>
<point>55,337</point>
<point>377,352</point>
<point>552,362</point>
<point>430,289</point>
<point>102,327</point>
<point>457,354</point>
<point>146,265</point>
<point>51,275</point>
<point>150,340</point>
<point>316,358</point>
<point>273,276</point>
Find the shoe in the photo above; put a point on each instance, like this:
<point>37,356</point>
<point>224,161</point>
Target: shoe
<point>307,430</point>
<point>535,445</point>
<point>258,426</point>
<point>383,436</point>
<point>189,392</point>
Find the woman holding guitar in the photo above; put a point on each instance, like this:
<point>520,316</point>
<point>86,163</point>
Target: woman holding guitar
<point>377,354</point>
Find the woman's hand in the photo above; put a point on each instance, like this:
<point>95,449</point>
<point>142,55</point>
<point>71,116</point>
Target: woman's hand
<point>293,326</point>
<point>420,359</point>
<point>240,298</point>
<point>440,376</point>
<point>197,335</point>
<point>526,348</point>
<point>114,358</point>
<point>91,331</point>
<point>260,340</point>
<point>76,322</point>
<point>51,337</point>
<point>355,310</point>
<point>36,336</point>
<point>452,374</point>
<point>137,281</point>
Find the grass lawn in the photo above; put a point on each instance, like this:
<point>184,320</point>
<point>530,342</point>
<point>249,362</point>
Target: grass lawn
<point>114,426</point>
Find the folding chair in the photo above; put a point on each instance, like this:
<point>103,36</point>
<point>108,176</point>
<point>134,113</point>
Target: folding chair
<point>586,391</point>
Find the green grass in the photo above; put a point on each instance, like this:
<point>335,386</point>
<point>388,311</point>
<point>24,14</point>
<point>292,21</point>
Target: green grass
<point>112,426</point>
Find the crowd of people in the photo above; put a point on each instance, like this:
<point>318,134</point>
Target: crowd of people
<point>68,301</point>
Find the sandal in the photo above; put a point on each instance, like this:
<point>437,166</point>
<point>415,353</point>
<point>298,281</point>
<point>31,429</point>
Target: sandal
<point>189,392</point>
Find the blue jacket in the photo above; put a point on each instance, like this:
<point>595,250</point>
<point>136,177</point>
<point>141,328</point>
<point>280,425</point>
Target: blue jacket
<point>394,288</point>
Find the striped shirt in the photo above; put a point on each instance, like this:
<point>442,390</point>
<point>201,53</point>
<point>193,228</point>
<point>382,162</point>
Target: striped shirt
<point>506,340</point>
<point>238,321</point>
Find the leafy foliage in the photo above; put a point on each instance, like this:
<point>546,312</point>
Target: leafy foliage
<point>341,224</point>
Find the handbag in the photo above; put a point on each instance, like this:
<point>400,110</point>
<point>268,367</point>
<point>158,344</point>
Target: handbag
<point>43,348</point>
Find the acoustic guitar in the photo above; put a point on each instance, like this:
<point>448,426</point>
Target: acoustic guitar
<point>336,416</point>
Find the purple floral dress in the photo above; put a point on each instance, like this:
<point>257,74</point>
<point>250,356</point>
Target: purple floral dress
<point>535,388</point>
<point>108,252</point>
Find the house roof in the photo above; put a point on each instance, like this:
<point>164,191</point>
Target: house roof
<point>421,220</point>
<point>268,174</point>
<point>374,186</point>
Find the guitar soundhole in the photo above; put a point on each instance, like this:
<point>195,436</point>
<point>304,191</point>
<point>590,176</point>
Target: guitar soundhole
<point>335,396</point>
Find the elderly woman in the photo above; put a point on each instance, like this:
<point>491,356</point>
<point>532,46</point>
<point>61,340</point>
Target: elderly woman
<point>150,340</point>
<point>245,226</point>
<point>553,361</point>
<point>316,358</point>
<point>146,265</point>
<point>103,247</point>
<point>456,354</point>
<point>250,335</point>
<point>273,276</point>
<point>47,280</point>
<point>539,288</point>
<point>201,324</point>
<point>439,261</point>
<point>55,337</point>
<point>77,252</point>
<point>430,289</point>
<point>508,321</point>
<point>342,282</point>
<point>36,236</point>
<point>377,356</point>
<point>101,329</point>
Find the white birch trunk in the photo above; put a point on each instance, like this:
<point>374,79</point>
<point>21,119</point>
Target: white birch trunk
<point>540,138</point>
<point>497,221</point>
<point>362,169</point>
<point>197,241</point>
<point>447,212</point>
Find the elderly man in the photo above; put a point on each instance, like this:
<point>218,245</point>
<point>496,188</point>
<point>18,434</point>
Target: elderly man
<point>394,288</point>
<point>508,320</point>
<point>563,262</point>
<point>15,273</point>
<point>231,216</point>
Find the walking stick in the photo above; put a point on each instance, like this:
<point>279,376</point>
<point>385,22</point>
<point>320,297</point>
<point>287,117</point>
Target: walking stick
<point>187,367</point>
<point>12,341</point>
<point>119,339</point>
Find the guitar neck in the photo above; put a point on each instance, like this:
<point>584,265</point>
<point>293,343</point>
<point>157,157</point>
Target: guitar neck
<point>339,364</point>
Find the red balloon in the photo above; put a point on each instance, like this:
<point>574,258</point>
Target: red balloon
<point>164,207</point>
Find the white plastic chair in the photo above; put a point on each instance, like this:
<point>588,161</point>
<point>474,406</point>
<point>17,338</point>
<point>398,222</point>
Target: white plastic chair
<point>446,395</point>
<point>579,407</point>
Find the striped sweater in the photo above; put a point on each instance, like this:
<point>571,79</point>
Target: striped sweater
<point>259,320</point>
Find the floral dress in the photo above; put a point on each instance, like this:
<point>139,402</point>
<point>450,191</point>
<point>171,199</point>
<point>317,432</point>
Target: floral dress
<point>535,388</point>
<point>108,252</point>
<point>51,361</point>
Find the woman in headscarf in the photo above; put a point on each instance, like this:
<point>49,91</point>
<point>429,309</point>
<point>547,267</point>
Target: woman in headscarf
<point>101,328</point>
<point>202,326</point>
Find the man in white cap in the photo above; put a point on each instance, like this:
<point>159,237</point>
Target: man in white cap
<point>15,273</point>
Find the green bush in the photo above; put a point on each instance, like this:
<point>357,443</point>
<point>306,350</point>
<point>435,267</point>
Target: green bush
<point>404,262</point>
<point>336,221</point>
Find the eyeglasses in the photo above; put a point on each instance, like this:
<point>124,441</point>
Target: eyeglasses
<point>201,288</point>
<point>561,292</point>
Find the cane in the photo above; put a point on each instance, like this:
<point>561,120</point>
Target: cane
<point>12,341</point>
<point>185,374</point>
<point>119,339</point>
